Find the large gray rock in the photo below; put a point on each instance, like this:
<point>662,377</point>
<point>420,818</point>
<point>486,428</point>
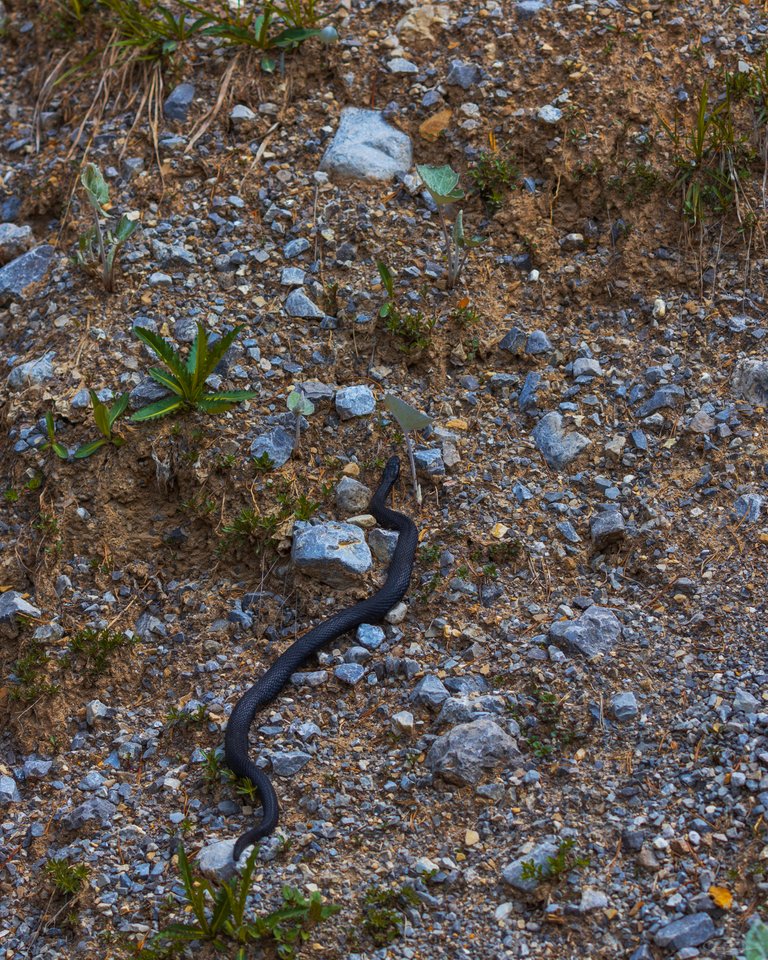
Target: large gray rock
<point>14,241</point>
<point>12,603</point>
<point>556,445</point>
<point>20,274</point>
<point>540,856</point>
<point>366,147</point>
<point>31,373</point>
<point>595,632</point>
<point>607,527</point>
<point>216,860</point>
<point>750,380</point>
<point>298,304</point>
<point>334,553</point>
<point>465,752</point>
<point>287,763</point>
<point>357,401</point>
<point>93,809</point>
<point>429,692</point>
<point>176,106</point>
<point>689,931</point>
<point>352,496</point>
<point>276,443</point>
<point>9,792</point>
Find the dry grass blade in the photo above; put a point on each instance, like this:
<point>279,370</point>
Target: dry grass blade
<point>208,119</point>
<point>45,94</point>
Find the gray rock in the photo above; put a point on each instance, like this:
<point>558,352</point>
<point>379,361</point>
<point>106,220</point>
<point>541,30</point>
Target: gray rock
<point>176,106</point>
<point>160,279</point>
<point>401,65</point>
<point>289,762</point>
<point>750,380</point>
<point>624,706</point>
<point>216,860</point>
<point>550,114</point>
<point>357,401</point>
<point>465,752</point>
<point>148,391</point>
<point>429,692</point>
<point>350,673</point>
<point>20,274</point>
<point>464,75</point>
<point>514,342</point>
<point>465,709</point>
<point>689,931</point>
<point>292,277</point>
<point>748,507</point>
<point>537,344</point>
<point>366,147</point>
<point>383,543</point>
<point>527,398</point>
<point>276,443</point>
<point>402,722</point>
<point>607,527</point>
<point>352,497</point>
<point>94,808</point>
<point>294,248</point>
<point>744,702</point>
<point>36,769</point>
<point>541,856</point>
<point>587,367</point>
<point>14,241</point>
<point>241,116</point>
<point>298,304</point>
<point>595,632</point>
<point>9,792</point>
<point>429,463</point>
<point>558,447</point>
<point>370,636</point>
<point>12,603</point>
<point>95,710</point>
<point>668,396</point>
<point>31,373</point>
<point>334,553</point>
<point>172,254</point>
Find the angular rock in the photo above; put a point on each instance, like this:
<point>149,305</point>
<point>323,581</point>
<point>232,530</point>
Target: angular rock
<point>9,792</point>
<point>93,809</point>
<point>402,722</point>
<point>241,115</point>
<point>350,673</point>
<point>607,527</point>
<point>31,373</point>
<point>748,506</point>
<point>14,241</point>
<point>556,445</point>
<point>429,463</point>
<point>357,401</point>
<point>464,75</point>
<point>596,631</point>
<point>429,692</point>
<point>176,106</point>
<point>12,603</point>
<point>382,543</point>
<point>298,304</point>
<point>665,397</point>
<point>334,553</point>
<point>587,367</point>
<point>370,636</point>
<point>540,856</point>
<point>689,931</point>
<point>366,147</point>
<point>624,706</point>
<point>352,496</point>
<point>146,392</point>
<point>750,380</point>
<point>20,274</point>
<point>276,443</point>
<point>514,341</point>
<point>465,752</point>
<point>216,860</point>
<point>538,344</point>
<point>289,762</point>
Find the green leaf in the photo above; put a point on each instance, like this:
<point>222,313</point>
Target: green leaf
<point>458,229</point>
<point>167,380</point>
<point>407,416</point>
<point>220,347</point>
<point>197,361</point>
<point>164,351</point>
<point>160,409</point>
<point>95,185</point>
<point>756,943</point>
<point>268,64</point>
<point>60,450</point>
<point>442,183</point>
<point>50,426</point>
<point>182,932</point>
<point>299,404</point>
<point>100,415</point>
<point>294,36</point>
<point>232,396</point>
<point>222,908</point>
<point>118,408</point>
<point>88,448</point>
<point>214,403</point>
<point>386,278</point>
<point>124,229</point>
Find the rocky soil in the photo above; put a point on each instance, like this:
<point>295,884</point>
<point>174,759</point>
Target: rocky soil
<point>558,746</point>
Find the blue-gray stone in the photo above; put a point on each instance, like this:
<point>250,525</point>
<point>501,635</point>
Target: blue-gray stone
<point>401,65</point>
<point>748,507</point>
<point>640,440</point>
<point>557,446</point>
<point>18,276</point>
<point>12,603</point>
<point>527,398</point>
<point>357,401</point>
<point>289,762</point>
<point>172,254</point>
<point>91,781</point>
<point>382,543</point>
<point>595,632</point>
<point>624,706</point>
<point>334,553</point>
<point>31,373</point>
<point>159,279</point>
<point>607,527</point>
<point>9,792</point>
<point>352,496</point>
<point>176,106</point>
<point>429,463</point>
<point>514,341</point>
<point>216,860</point>
<point>94,808</point>
<point>749,380</point>
<point>14,241</point>
<point>688,931</point>
<point>587,367</point>
<point>665,397</point>
<point>36,769</point>
<point>295,247</point>
<point>550,114</point>
<point>541,856</point>
<point>566,528</point>
<point>538,343</point>
<point>465,752</point>
<point>292,277</point>
<point>298,304</point>
<point>366,147</point>
<point>370,636</point>
<point>521,493</point>
<point>429,692</point>
<point>464,75</point>
<point>349,673</point>
<point>276,443</point>
<point>744,702</point>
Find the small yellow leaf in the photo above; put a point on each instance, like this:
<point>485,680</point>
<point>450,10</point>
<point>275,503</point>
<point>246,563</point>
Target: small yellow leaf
<point>433,126</point>
<point>723,898</point>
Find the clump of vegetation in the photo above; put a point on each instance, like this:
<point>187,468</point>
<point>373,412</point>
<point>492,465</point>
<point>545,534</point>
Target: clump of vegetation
<point>756,942</point>
<point>105,418</point>
<point>29,671</point>
<point>187,381</point>
<point>53,444</point>
<point>220,916</point>
<point>494,176</point>
<point>101,242</point>
<point>442,183</point>
<point>550,732</point>
<point>151,31</point>
<point>68,878</point>
<point>556,866</point>
<point>180,717</point>
<point>382,917</point>
<point>413,330</point>
<point>95,647</point>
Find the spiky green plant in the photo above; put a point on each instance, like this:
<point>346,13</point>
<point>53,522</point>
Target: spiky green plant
<point>105,418</point>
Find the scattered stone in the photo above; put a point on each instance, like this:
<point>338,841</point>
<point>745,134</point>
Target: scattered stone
<point>357,401</point>
<point>383,544</point>
<point>276,443</point>
<point>20,274</point>
<point>550,114</point>
<point>597,631</point>
<point>403,723</point>
<point>624,706</point>
<point>429,692</point>
<point>12,604</point>
<point>176,106</point>
<point>370,636</point>
<point>334,553</point>
<point>9,792</point>
<point>749,380</point>
<point>14,241</point>
<point>298,304</point>
<point>429,463</point>
<point>464,75</point>
<point>95,808</point>
<point>352,496</point>
<point>558,447</point>
<point>540,855</point>
<point>32,373</point>
<point>216,860</point>
<point>744,702</point>
<point>350,673</point>
<point>465,752</point>
<point>689,931</point>
<point>289,762</point>
<point>366,147</point>
<point>748,507</point>
<point>606,528</point>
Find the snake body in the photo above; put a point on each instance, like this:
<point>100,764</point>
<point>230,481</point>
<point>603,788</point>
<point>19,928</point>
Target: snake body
<point>268,687</point>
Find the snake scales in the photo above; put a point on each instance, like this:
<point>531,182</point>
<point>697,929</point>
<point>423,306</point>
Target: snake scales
<point>268,687</point>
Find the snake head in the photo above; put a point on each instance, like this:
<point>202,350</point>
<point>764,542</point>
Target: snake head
<point>391,471</point>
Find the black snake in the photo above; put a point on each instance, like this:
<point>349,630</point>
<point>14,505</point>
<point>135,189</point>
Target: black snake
<point>267,688</point>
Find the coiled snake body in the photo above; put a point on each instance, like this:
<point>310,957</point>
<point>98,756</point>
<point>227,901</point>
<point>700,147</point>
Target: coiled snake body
<point>267,688</point>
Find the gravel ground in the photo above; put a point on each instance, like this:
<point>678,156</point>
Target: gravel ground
<point>578,679</point>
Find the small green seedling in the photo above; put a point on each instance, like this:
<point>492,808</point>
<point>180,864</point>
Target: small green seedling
<point>186,381</point>
<point>68,878</point>
<point>100,239</point>
<point>409,419</point>
<point>442,183</point>
<point>105,418</point>
<point>53,444</point>
<point>300,406</point>
<point>413,329</point>
<point>756,943</point>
